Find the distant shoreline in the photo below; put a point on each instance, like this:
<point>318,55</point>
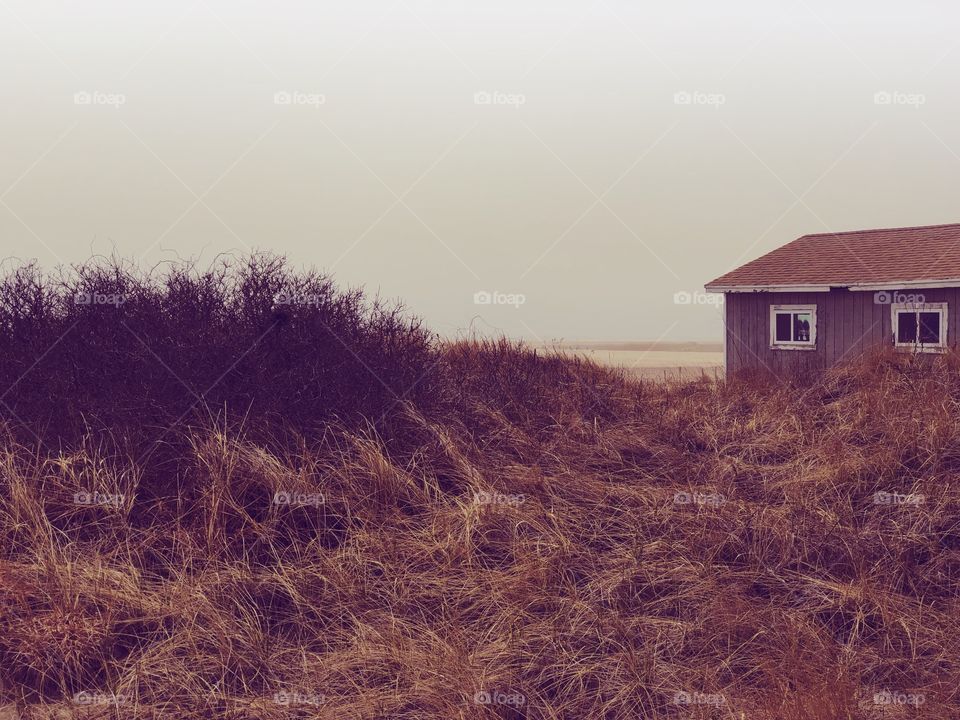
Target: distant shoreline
<point>646,359</point>
<point>633,345</point>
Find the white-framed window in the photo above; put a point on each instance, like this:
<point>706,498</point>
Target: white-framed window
<point>920,327</point>
<point>793,327</point>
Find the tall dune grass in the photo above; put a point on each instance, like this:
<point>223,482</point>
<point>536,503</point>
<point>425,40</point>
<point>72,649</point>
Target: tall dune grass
<point>501,535</point>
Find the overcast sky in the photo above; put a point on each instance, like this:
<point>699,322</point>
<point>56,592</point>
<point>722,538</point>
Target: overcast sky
<point>581,162</point>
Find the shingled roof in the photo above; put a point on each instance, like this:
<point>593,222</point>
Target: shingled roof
<point>890,257</point>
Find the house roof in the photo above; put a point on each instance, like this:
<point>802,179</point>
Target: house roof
<point>889,258</point>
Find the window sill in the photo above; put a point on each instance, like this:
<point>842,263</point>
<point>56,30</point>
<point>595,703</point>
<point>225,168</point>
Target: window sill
<point>793,347</point>
<point>937,349</point>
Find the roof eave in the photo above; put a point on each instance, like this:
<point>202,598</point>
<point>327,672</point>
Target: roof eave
<point>715,288</point>
<point>855,287</point>
<point>904,284</point>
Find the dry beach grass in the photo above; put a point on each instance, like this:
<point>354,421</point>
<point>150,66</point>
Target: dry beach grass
<point>511,536</point>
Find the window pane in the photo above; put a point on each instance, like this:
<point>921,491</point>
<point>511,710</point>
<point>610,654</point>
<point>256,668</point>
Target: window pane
<point>801,327</point>
<point>906,327</point>
<point>783,327</point>
<point>930,328</point>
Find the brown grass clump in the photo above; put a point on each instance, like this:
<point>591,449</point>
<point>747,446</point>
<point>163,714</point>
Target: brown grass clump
<point>543,539</point>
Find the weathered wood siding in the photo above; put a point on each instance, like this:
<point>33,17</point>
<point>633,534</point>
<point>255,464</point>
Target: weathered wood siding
<point>848,323</point>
